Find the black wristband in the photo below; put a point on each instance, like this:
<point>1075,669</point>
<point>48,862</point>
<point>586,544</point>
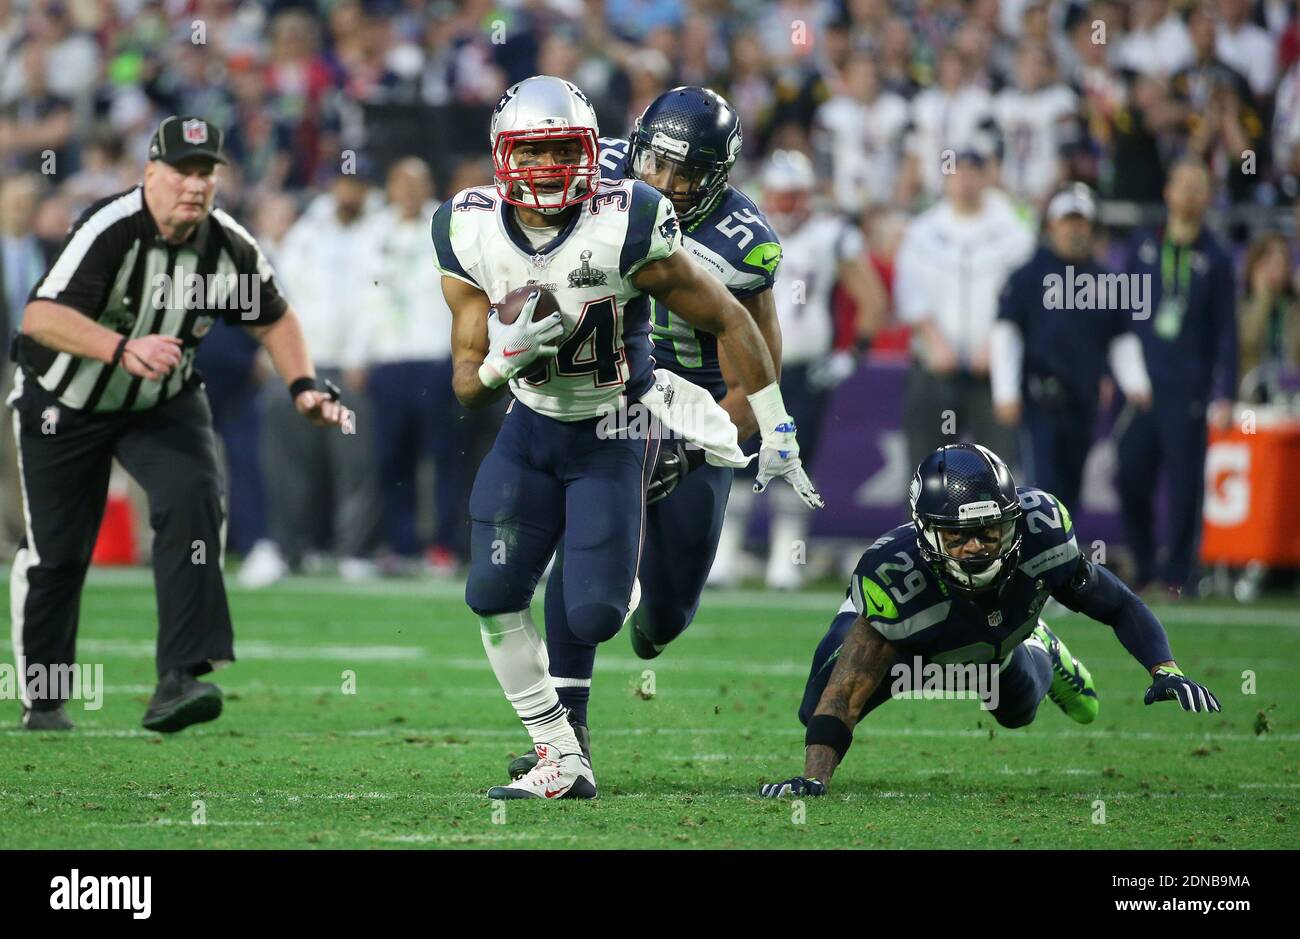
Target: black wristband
<point>119,352</point>
<point>694,458</point>
<point>299,385</point>
<point>829,731</point>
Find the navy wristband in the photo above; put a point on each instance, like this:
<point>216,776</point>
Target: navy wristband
<point>299,385</point>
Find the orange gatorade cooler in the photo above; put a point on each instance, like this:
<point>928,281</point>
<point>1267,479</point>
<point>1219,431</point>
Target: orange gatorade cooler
<point>1252,491</point>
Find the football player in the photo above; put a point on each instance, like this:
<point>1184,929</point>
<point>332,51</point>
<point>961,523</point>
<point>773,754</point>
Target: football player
<point>963,584</point>
<point>821,249</point>
<point>684,145</point>
<point>602,251</point>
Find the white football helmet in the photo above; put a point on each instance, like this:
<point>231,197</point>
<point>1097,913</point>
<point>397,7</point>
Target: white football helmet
<point>544,108</point>
<point>788,184</point>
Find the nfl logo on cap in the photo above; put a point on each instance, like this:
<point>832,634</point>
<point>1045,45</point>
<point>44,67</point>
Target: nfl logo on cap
<point>194,131</point>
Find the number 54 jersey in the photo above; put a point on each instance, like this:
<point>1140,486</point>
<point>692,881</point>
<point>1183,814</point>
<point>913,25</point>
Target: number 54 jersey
<point>899,596</point>
<point>606,350</point>
<point>730,239</point>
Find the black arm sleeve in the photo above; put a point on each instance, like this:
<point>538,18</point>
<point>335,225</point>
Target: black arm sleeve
<point>1096,592</point>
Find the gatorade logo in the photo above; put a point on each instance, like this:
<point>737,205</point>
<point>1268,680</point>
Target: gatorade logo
<point>1227,484</point>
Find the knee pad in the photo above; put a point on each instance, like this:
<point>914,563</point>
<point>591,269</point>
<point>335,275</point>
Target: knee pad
<point>596,622</point>
<point>661,623</point>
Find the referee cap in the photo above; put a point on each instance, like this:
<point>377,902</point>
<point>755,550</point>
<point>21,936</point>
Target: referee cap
<point>180,137</point>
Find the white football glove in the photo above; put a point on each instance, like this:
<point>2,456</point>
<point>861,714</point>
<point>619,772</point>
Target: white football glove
<point>778,458</point>
<point>515,347</point>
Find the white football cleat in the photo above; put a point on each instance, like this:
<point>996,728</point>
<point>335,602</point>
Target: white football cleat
<point>555,776</point>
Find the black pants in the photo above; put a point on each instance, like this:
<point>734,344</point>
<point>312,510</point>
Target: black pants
<point>1057,441</point>
<point>64,459</point>
<point>942,409</point>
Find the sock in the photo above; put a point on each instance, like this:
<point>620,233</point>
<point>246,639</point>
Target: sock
<point>521,665</point>
<point>573,660</point>
<point>734,526</point>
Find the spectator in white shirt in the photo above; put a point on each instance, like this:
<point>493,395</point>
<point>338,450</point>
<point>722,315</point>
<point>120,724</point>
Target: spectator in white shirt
<point>1246,47</point>
<point>1037,121</point>
<point>1158,44</point>
<point>319,270</point>
<point>859,133</point>
<point>402,338</point>
<point>945,119</point>
<point>953,262</point>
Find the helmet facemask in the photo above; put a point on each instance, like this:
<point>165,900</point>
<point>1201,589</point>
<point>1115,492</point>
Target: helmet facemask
<point>974,572</point>
<point>566,184</point>
<point>690,186</point>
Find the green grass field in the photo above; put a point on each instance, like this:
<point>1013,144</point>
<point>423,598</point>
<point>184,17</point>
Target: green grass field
<point>405,761</point>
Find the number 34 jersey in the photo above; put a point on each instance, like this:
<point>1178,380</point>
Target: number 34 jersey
<point>606,350</point>
<point>895,590</point>
<point>732,241</point>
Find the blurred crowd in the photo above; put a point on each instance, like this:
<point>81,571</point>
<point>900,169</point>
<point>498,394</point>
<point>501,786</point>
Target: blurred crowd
<point>926,123</point>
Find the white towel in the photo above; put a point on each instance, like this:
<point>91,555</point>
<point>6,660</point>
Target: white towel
<point>688,411</point>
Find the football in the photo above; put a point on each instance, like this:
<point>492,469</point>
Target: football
<point>509,306</point>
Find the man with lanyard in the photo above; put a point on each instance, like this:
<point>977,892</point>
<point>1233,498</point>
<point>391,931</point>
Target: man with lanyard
<point>1189,343</point>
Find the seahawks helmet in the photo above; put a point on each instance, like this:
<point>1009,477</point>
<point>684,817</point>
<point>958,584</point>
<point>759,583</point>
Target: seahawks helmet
<point>538,109</point>
<point>693,135</point>
<point>967,488</point>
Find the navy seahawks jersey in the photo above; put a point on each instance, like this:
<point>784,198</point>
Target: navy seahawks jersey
<point>733,242</point>
<point>899,595</point>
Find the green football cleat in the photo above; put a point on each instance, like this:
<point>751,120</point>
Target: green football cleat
<point>1072,688</point>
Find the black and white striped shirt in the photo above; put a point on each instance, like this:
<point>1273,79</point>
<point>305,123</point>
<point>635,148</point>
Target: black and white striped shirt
<point>116,268</point>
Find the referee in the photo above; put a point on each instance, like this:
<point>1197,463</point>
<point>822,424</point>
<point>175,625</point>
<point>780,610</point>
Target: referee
<point>106,369</point>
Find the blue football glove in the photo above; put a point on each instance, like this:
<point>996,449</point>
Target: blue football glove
<point>1170,684</point>
<point>797,787</point>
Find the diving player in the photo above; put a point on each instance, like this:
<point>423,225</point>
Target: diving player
<point>602,251</point>
<point>964,584</point>
<point>684,145</point>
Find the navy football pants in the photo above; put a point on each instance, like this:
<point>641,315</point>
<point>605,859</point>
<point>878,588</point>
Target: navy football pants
<point>681,539</point>
<point>1021,684</point>
<point>545,478</point>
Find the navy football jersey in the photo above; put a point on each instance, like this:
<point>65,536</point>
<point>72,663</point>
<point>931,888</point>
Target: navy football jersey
<point>898,594</point>
<point>734,243</point>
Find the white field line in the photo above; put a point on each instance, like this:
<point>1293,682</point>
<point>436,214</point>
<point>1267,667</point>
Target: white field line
<point>461,735</point>
<point>824,601</point>
<point>215,798</point>
<point>257,650</point>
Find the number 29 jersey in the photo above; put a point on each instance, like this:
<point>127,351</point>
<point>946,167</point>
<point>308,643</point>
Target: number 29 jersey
<point>606,350</point>
<point>896,592</point>
<point>732,241</point>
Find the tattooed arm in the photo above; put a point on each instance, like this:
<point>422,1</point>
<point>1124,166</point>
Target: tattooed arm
<point>863,663</point>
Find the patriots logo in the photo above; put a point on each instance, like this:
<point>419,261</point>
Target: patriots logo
<point>668,228</point>
<point>194,131</point>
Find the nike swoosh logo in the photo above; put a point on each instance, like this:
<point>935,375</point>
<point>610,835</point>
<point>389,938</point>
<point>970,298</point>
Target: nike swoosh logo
<point>552,793</point>
<point>508,353</point>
